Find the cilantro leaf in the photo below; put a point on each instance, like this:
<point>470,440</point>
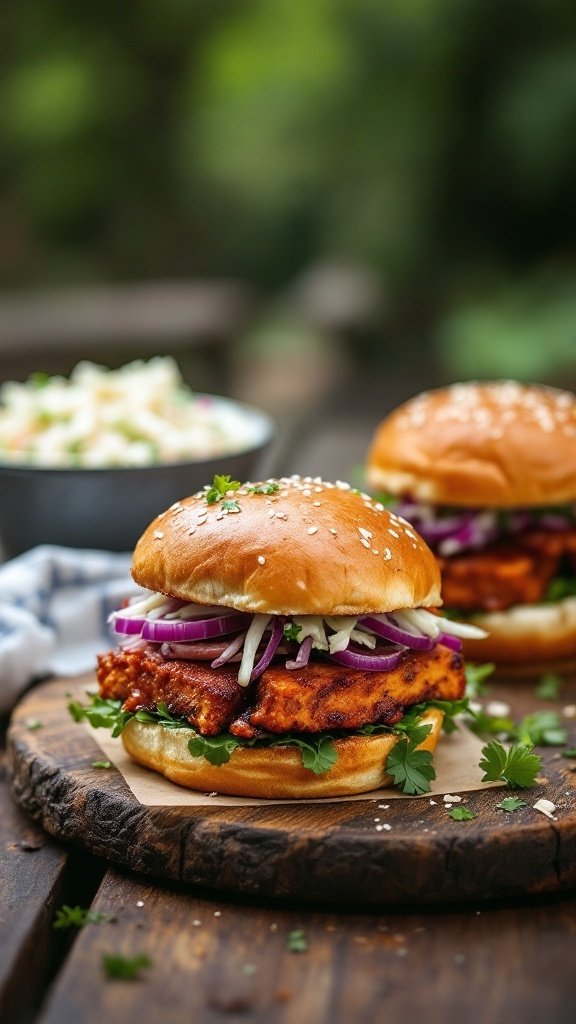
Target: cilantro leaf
<point>77,917</point>
<point>321,757</point>
<point>269,488</point>
<point>549,687</point>
<point>540,728</point>
<point>292,631</point>
<point>216,749</point>
<point>511,803</point>
<point>518,767</point>
<point>101,714</point>
<point>461,814</point>
<point>220,487</point>
<point>560,587</point>
<point>231,505</point>
<point>410,769</point>
<point>476,676</point>
<point>127,967</point>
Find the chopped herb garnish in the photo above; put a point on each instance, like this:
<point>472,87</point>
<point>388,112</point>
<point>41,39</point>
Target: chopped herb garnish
<point>101,714</point>
<point>540,728</point>
<point>32,724</point>
<point>230,505</point>
<point>410,769</point>
<point>77,917</point>
<point>461,814</point>
<point>561,587</point>
<point>39,379</point>
<point>549,687</point>
<point>128,967</point>
<point>216,749</point>
<point>101,764</point>
<point>292,631</point>
<point>511,804</point>
<point>296,941</point>
<point>476,676</point>
<point>221,485</point>
<point>269,488</point>
<point>517,767</point>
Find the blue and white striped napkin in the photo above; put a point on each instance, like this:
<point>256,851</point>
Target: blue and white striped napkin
<point>54,606</point>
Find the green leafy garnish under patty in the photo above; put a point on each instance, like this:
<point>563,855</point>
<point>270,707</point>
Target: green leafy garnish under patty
<point>412,768</point>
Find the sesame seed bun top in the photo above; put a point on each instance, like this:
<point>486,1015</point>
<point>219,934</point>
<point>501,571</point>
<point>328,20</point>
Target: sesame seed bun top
<point>307,547</point>
<point>499,444</point>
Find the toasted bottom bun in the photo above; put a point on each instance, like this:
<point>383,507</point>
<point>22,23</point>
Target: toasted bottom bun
<point>528,639</point>
<point>270,772</point>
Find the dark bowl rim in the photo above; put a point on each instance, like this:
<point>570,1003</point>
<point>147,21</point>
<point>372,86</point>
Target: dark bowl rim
<point>20,468</point>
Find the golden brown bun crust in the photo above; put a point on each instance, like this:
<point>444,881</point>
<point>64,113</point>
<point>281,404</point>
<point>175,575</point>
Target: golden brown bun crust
<point>528,638</point>
<point>499,444</point>
<point>310,548</point>
<point>273,773</point>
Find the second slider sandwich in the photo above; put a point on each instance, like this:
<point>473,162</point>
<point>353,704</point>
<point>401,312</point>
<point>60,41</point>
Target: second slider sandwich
<point>283,639</point>
<point>487,473</point>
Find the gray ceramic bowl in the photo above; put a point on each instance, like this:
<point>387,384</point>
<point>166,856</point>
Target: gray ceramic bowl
<point>109,508</point>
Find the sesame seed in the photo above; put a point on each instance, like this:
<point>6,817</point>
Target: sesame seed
<point>375,551</point>
<point>387,554</point>
<point>271,513</point>
<point>317,504</point>
<point>311,530</point>
<point>175,506</point>
<point>306,492</point>
<point>332,530</point>
<point>158,534</point>
<point>191,530</point>
<point>261,559</point>
<point>379,506</point>
<point>394,534</point>
<point>365,542</point>
<point>364,533</point>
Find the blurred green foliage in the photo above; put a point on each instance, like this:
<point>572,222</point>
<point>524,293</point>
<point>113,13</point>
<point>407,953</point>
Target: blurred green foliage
<point>432,140</point>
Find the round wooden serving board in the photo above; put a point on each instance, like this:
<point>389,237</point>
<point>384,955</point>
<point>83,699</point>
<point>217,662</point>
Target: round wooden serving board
<point>328,852</point>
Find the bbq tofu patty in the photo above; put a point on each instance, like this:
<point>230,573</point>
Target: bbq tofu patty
<point>319,697</point>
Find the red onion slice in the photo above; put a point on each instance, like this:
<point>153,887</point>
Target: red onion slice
<point>229,651</point>
<point>303,656</point>
<point>453,642</point>
<point>370,662</point>
<point>271,646</point>
<point>198,651</point>
<point>192,629</point>
<point>129,625</point>
<point>390,631</point>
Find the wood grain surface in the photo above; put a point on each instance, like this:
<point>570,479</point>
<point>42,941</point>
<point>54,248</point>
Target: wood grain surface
<point>214,960</point>
<point>32,869</point>
<point>321,852</point>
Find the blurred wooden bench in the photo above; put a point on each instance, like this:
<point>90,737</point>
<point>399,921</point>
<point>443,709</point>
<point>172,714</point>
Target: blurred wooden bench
<point>197,321</point>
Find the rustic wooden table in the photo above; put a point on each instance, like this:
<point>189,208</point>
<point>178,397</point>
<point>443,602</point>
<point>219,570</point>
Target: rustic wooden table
<point>215,958</point>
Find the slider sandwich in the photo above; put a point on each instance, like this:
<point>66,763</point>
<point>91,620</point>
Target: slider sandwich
<point>487,474</point>
<point>285,646</point>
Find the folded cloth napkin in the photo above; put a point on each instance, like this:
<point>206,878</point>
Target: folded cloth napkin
<point>54,607</point>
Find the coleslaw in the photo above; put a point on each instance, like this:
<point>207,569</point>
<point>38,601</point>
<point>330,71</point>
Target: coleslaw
<point>141,414</point>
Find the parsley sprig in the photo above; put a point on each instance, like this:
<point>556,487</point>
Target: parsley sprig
<point>411,769</point>
<point>77,917</point>
<point>221,486</point>
<point>518,767</point>
<point>127,967</point>
<point>268,488</point>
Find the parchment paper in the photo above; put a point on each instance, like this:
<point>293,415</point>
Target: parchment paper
<point>455,760</point>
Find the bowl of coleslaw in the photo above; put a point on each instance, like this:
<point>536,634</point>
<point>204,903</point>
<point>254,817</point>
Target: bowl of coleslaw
<point>87,461</point>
